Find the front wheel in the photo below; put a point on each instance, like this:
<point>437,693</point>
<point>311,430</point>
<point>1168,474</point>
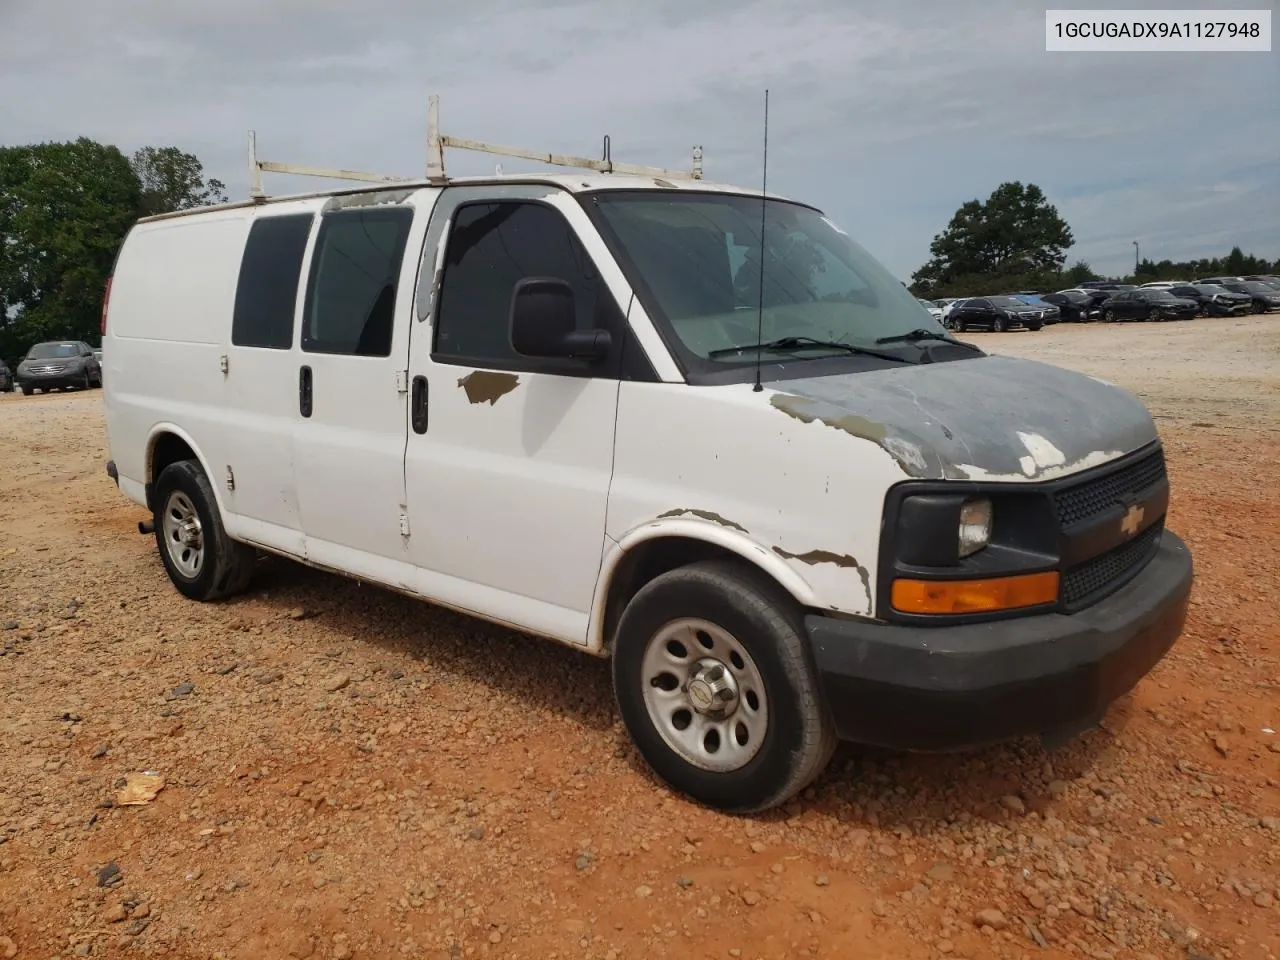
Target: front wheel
<point>1000,325</point>
<point>201,560</point>
<point>27,391</point>
<point>1109,316</point>
<point>717,687</point>
<point>1033,327</point>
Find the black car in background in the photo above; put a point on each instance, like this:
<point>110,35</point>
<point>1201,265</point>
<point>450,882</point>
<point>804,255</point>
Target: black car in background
<point>59,364</point>
<point>6,378</point>
<point>1074,306</point>
<point>1264,297</point>
<point>995,313</point>
<point>1215,301</point>
<point>1267,278</point>
<point>1148,304</point>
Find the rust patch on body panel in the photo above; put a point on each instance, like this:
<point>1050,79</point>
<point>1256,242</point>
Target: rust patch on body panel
<point>486,386</point>
<point>703,515</point>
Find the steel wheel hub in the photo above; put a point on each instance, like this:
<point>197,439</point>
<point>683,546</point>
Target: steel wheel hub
<point>704,695</point>
<point>183,534</point>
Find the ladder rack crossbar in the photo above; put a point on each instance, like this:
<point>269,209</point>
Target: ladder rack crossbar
<point>436,144</point>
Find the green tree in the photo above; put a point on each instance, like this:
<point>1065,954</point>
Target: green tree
<point>1080,272</point>
<point>64,208</point>
<point>1015,238</point>
<point>173,180</point>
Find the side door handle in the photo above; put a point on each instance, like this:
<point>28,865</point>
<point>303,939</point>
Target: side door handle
<point>304,391</point>
<point>418,405</point>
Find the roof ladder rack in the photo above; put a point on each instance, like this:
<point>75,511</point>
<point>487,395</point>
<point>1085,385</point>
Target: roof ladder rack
<point>435,172</point>
<point>436,143</point>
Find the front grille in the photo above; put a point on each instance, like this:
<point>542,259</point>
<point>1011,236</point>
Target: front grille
<point>1084,500</point>
<point>1109,570</point>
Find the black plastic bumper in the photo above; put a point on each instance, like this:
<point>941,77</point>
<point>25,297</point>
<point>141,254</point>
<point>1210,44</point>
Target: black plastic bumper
<point>938,688</point>
<point>51,383</point>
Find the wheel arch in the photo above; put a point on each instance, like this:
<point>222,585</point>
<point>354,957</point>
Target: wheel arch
<point>168,443</point>
<point>653,549</point>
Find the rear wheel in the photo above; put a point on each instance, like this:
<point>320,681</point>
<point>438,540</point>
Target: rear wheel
<point>201,560</point>
<point>717,687</point>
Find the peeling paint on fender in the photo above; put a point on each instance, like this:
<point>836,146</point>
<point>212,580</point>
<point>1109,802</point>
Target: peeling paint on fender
<point>826,556</point>
<point>703,515</point>
<point>486,386</point>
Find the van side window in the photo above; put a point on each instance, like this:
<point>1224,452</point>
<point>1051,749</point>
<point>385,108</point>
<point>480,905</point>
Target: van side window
<point>493,246</point>
<point>267,291</point>
<point>351,295</point>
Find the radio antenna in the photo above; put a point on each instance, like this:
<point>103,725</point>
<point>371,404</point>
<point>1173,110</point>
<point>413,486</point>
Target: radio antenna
<point>764,208</point>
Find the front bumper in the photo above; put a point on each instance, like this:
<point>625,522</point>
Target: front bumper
<point>51,381</point>
<point>938,688</point>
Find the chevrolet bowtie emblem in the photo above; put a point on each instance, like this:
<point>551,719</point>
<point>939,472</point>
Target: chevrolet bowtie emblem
<point>1132,519</point>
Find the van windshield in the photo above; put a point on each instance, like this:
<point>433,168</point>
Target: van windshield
<point>694,259</point>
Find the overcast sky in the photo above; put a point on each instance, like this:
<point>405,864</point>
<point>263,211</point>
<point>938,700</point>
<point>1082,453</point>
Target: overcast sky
<point>886,115</point>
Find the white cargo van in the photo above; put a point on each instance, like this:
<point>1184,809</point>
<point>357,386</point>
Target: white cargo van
<point>600,409</point>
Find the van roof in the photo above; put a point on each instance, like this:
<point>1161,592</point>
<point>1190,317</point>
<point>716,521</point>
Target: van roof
<point>572,182</point>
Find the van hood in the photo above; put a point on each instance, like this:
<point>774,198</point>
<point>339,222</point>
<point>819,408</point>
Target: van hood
<point>986,418</point>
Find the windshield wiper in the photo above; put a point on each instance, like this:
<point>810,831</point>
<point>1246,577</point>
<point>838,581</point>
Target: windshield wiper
<point>915,336</point>
<point>794,343</point>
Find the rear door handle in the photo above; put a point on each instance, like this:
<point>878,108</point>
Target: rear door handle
<point>304,391</point>
<point>418,405</point>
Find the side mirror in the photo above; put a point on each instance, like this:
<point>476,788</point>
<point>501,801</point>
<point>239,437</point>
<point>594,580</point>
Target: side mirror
<point>544,321</point>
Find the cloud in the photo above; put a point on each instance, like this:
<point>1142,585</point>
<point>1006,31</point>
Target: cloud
<point>888,116</point>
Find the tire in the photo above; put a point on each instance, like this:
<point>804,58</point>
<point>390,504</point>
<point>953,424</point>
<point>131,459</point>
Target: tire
<point>758,631</point>
<point>959,326</point>
<point>1033,327</point>
<point>1109,316</point>
<point>1000,325</point>
<point>217,566</point>
<point>27,391</point>
<point>88,382</point>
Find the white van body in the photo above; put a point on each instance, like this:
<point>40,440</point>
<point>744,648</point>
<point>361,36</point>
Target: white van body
<point>532,492</point>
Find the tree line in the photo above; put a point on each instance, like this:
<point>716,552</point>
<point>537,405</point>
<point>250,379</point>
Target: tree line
<point>1016,240</point>
<point>64,210</point>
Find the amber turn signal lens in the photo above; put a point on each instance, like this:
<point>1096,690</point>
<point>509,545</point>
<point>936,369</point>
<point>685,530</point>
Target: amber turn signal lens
<point>974,596</point>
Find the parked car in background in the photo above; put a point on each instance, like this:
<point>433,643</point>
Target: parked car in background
<point>6,378</point>
<point>1264,297</point>
<point>1161,284</point>
<point>1074,306</point>
<point>1215,301</point>
<point>59,364</point>
<point>1050,310</point>
<point>1219,280</point>
<point>1266,278</point>
<point>934,309</point>
<point>995,313</point>
<point>1142,304</point>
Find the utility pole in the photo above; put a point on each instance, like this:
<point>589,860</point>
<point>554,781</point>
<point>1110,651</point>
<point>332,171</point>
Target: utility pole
<point>1135,258</point>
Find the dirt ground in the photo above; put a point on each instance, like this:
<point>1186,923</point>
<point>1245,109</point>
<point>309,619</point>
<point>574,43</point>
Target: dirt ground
<point>352,774</point>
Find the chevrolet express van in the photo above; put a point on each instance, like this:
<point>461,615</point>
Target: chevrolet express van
<point>610,410</point>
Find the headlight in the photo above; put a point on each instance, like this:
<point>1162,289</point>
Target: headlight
<point>975,526</point>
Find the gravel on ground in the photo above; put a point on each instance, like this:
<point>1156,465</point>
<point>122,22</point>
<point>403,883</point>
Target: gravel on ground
<point>347,773</point>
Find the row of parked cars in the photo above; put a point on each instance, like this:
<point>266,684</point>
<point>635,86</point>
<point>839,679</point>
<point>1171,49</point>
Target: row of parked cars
<point>55,365</point>
<point>1104,300</point>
